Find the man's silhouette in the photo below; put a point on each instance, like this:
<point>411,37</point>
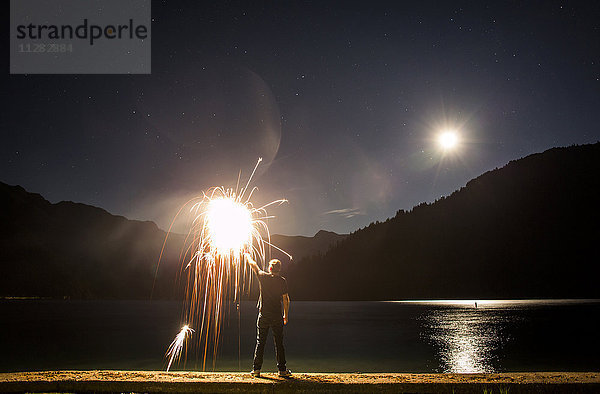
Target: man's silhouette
<point>273,293</point>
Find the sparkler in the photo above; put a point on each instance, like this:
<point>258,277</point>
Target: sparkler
<point>174,351</point>
<point>225,226</point>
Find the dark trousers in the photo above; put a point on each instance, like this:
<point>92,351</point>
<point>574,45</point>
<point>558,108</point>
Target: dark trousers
<point>262,330</point>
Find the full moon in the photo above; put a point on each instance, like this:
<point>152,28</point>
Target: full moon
<point>448,139</point>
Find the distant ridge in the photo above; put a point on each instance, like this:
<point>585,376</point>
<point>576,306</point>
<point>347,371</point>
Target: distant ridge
<point>300,246</point>
<point>76,250</point>
<point>527,230</point>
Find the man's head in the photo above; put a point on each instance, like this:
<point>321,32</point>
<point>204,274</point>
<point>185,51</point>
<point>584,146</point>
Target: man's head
<point>274,266</point>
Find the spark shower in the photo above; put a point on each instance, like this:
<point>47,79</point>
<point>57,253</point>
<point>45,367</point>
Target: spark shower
<point>225,225</point>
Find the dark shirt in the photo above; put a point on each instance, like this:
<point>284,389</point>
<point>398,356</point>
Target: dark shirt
<point>272,287</point>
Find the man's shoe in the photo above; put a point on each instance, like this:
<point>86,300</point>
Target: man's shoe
<point>255,373</point>
<point>285,374</point>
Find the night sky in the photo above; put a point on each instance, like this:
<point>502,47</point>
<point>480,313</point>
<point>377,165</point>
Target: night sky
<point>343,100</point>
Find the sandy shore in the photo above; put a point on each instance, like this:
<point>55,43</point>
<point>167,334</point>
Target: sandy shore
<point>154,381</point>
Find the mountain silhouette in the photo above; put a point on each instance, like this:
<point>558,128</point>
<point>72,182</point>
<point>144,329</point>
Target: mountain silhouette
<point>76,250</point>
<point>80,251</point>
<point>300,246</point>
<point>527,230</point>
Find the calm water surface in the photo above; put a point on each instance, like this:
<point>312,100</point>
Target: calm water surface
<point>433,336</point>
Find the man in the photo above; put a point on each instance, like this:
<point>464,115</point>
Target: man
<point>273,292</point>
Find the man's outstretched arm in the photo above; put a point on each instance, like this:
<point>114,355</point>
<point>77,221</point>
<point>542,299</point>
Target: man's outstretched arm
<point>286,307</point>
<point>252,263</point>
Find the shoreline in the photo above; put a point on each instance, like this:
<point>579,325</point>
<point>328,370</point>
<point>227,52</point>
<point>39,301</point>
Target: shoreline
<point>165,382</point>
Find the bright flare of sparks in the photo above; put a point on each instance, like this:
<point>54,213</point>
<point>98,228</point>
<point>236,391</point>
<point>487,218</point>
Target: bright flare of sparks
<point>174,351</point>
<point>448,139</point>
<point>229,225</point>
<point>225,226</point>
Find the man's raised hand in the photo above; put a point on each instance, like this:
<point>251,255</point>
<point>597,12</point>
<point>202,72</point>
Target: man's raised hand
<point>251,262</point>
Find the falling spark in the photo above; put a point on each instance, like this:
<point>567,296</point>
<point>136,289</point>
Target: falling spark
<point>174,351</point>
<point>225,226</point>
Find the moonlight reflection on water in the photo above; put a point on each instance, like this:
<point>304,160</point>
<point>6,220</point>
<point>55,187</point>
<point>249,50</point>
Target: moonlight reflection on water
<point>467,335</point>
<point>470,336</point>
<point>465,339</point>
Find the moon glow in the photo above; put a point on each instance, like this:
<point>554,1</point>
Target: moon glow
<point>448,139</point>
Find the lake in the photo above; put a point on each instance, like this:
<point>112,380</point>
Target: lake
<point>402,336</point>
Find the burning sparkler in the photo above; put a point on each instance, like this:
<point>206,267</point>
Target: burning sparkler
<point>225,225</point>
<point>174,351</point>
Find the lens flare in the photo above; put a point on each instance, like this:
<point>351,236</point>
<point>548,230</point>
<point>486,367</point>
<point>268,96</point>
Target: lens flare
<point>225,225</point>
